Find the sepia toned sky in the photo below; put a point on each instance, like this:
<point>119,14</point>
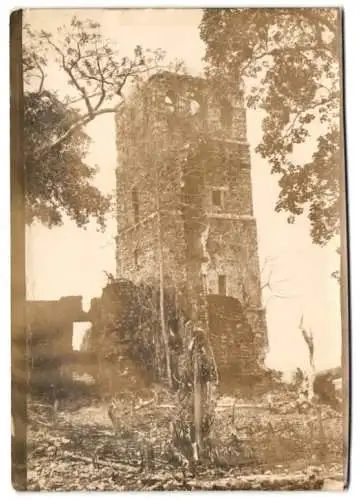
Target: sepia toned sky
<point>70,261</point>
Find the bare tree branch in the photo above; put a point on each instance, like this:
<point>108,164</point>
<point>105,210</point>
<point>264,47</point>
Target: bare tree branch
<point>75,126</point>
<point>69,71</point>
<point>92,65</point>
<point>269,283</point>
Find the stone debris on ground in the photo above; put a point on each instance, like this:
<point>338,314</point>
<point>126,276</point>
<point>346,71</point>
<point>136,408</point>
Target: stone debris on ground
<point>80,450</point>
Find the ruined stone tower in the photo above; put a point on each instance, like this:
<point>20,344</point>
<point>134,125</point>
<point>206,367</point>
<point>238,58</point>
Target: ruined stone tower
<point>184,202</point>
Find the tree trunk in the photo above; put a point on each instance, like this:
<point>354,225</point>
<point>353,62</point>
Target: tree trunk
<point>197,392</point>
<point>161,290</point>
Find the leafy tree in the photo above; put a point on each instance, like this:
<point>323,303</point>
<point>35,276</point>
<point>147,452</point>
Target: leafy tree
<point>94,76</point>
<point>290,60</point>
<point>61,181</point>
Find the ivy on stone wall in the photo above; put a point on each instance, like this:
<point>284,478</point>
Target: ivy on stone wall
<point>126,330</point>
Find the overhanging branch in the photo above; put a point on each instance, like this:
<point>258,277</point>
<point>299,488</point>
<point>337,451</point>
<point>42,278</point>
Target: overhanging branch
<point>76,126</point>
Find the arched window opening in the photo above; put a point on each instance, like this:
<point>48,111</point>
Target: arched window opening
<point>190,104</point>
<point>170,101</point>
<point>194,107</point>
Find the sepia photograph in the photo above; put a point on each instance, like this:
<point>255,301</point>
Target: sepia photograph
<point>179,211</point>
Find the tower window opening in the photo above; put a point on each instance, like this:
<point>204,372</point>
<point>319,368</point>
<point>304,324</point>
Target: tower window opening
<point>170,101</point>
<point>194,107</point>
<point>217,197</point>
<point>204,283</point>
<point>222,285</point>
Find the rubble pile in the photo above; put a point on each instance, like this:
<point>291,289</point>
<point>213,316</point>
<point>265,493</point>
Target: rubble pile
<point>81,449</point>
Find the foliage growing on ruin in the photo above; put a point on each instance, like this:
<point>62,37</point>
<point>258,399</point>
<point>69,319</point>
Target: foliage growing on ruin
<point>127,338</point>
<point>127,327</point>
<point>290,61</point>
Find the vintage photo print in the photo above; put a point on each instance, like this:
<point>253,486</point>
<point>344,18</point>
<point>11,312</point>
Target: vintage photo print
<point>179,267</point>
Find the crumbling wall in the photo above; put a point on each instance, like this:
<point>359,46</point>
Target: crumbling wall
<point>49,338</point>
<point>233,340</point>
<point>126,335</point>
<point>174,158</point>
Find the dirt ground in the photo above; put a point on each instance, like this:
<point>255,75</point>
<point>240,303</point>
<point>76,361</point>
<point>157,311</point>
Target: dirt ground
<point>77,449</point>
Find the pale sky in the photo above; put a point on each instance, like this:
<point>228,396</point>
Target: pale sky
<point>70,261</point>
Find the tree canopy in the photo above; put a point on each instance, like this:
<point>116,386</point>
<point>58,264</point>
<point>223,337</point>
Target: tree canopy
<point>290,62</point>
<point>92,79</point>
<point>59,182</point>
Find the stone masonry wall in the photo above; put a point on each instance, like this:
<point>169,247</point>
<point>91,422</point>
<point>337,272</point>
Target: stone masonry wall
<point>157,133</point>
